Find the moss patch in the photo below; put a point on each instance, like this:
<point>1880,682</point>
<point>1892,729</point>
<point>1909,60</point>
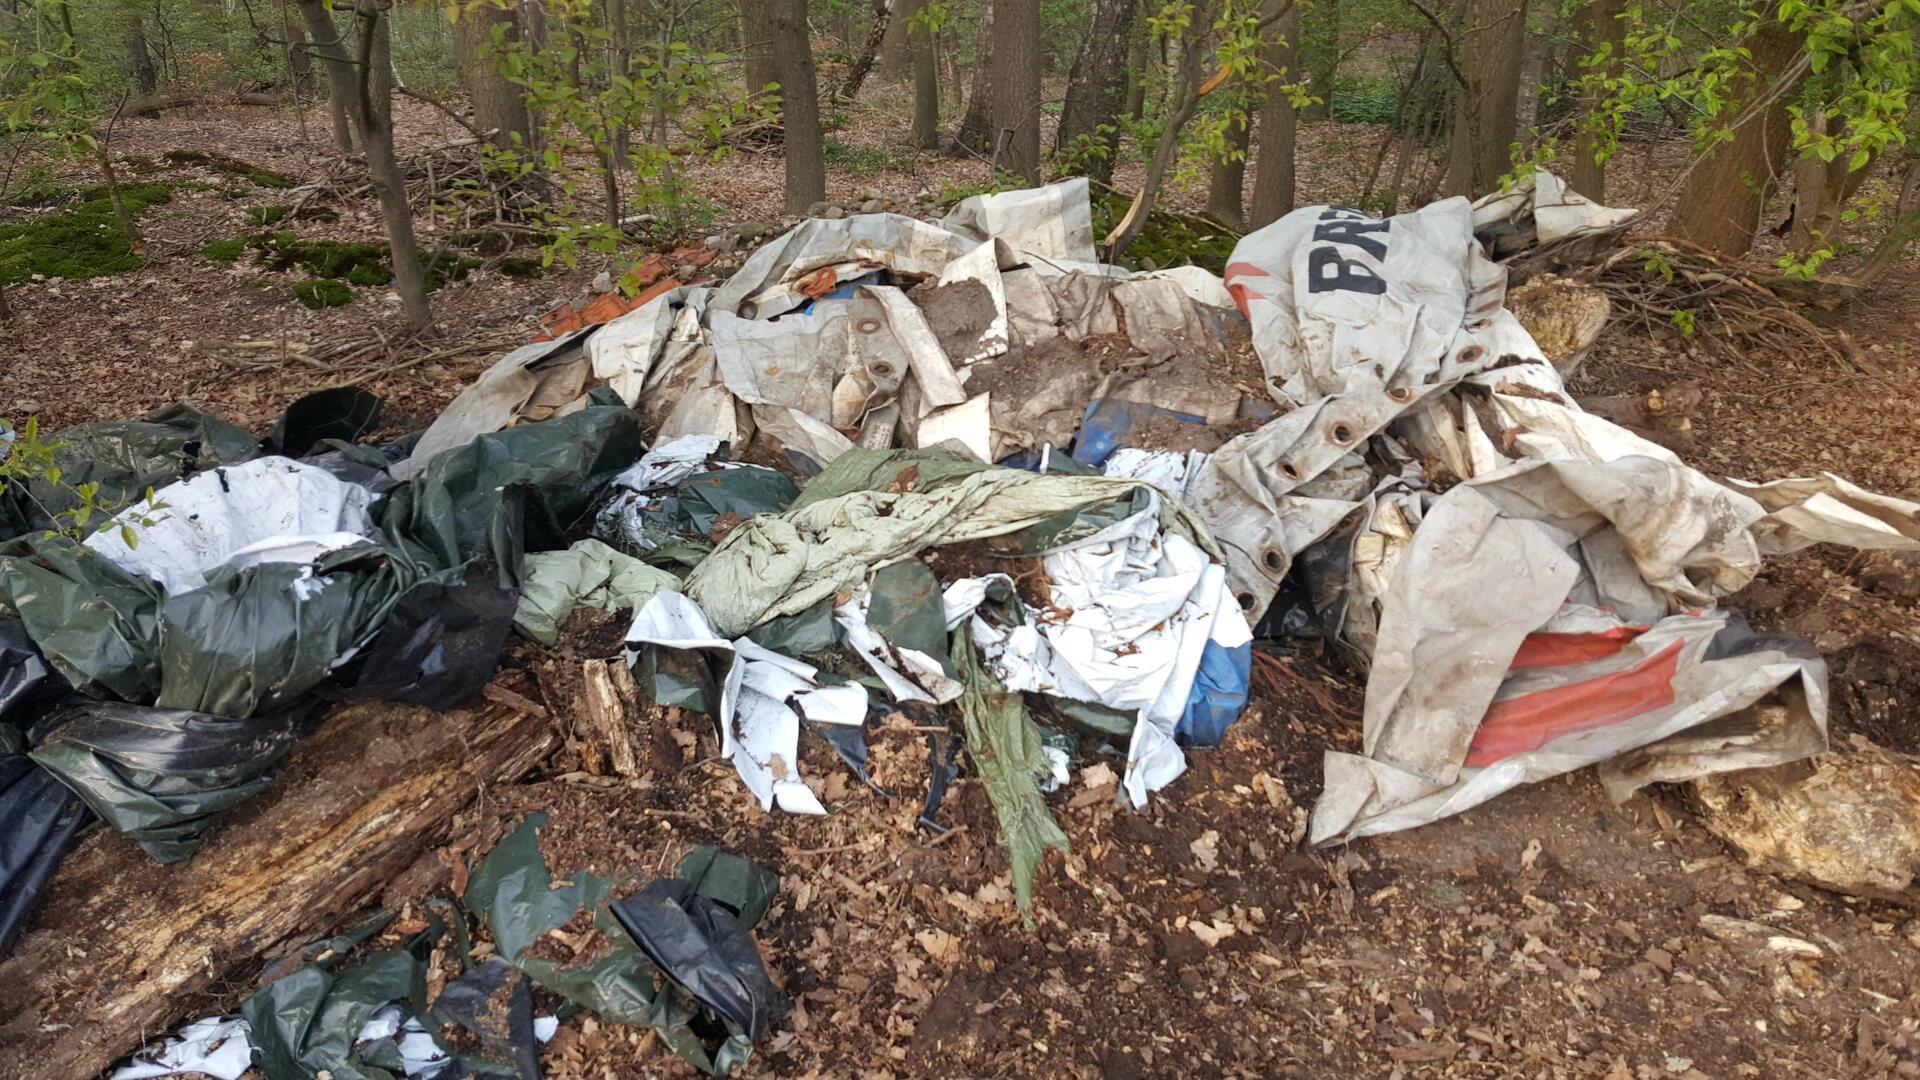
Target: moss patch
<point>232,166</point>
<point>361,264</point>
<point>323,293</point>
<point>83,241</point>
<point>225,251</point>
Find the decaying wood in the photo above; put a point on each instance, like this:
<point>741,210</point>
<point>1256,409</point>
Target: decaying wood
<point>124,948</point>
<point>611,703</point>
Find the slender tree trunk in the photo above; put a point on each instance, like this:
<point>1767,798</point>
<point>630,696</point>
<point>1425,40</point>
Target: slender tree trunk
<point>1604,35</point>
<point>1534,49</point>
<point>1097,89</point>
<point>1906,225</point>
<point>1016,86</point>
<point>1486,111</point>
<point>926,78</point>
<point>498,107</point>
<point>1137,57</point>
<point>1321,28</point>
<point>756,34</point>
<point>373,116</point>
<point>618,66</point>
<point>326,42</point>
<point>800,104</point>
<point>1273,171</point>
<point>1719,208</point>
<point>857,75</point>
<point>1821,189</point>
<point>141,59</point>
<point>976,127</point>
<point>1227,180</point>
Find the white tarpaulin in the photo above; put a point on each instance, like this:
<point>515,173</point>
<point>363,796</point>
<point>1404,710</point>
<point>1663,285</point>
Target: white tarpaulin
<point>1554,609</point>
<point>270,509</point>
<point>761,702</point>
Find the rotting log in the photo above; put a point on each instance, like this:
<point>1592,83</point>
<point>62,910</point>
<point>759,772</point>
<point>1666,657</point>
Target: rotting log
<point>124,949</point>
<point>610,700</point>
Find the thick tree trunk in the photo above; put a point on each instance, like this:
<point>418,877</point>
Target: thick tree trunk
<point>976,127</point>
<point>857,75</point>
<point>1097,89</point>
<point>756,37</point>
<point>926,78</point>
<point>123,949</point>
<point>498,107</point>
<point>1016,87</point>
<point>1486,111</point>
<point>374,120</point>
<point>800,104</point>
<point>140,59</point>
<point>1603,34</point>
<point>1227,181</point>
<point>1720,206</point>
<point>325,39</point>
<point>1273,169</point>
<point>896,49</point>
<point>1321,27</point>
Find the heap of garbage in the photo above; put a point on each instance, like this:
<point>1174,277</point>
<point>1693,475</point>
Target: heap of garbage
<point>960,469</point>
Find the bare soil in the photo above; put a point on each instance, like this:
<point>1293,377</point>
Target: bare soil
<point>1547,934</point>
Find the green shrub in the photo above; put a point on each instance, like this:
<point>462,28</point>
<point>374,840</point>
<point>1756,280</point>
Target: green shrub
<point>323,293</point>
<point>1363,100</point>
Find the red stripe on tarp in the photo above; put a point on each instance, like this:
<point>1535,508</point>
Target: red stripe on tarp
<point>1540,650</point>
<point>1240,293</point>
<point>1528,722</point>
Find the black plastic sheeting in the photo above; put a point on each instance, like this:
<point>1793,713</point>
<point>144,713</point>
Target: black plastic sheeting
<point>161,776</point>
<point>40,819</point>
<point>694,935</point>
<point>342,413</point>
<point>494,1001</point>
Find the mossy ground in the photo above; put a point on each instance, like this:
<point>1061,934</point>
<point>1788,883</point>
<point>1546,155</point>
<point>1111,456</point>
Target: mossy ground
<point>83,241</point>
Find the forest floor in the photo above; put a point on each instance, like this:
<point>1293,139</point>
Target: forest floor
<point>1549,933</point>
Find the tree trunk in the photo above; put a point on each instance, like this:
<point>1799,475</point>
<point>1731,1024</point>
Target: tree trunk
<point>756,34</point>
<point>976,127</point>
<point>1486,110</point>
<point>1719,208</point>
<point>299,57</point>
<point>141,59</point>
<point>1533,70</point>
<point>1137,56</point>
<point>327,43</point>
<point>1321,28</point>
<point>1016,86</point>
<point>857,75</point>
<point>896,49</point>
<point>1097,90</point>
<point>374,119</point>
<point>1273,172</point>
<point>1227,180</point>
<point>1906,225</point>
<point>498,108</point>
<point>1821,189</point>
<point>121,949</point>
<point>1601,31</point>
<point>800,104</point>
<point>926,78</point>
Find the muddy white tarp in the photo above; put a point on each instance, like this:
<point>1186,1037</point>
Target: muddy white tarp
<point>1555,607</point>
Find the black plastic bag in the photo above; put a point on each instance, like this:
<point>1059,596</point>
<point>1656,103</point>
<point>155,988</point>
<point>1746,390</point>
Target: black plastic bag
<point>343,413</point>
<point>40,820</point>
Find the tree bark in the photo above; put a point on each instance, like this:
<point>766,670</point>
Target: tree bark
<point>926,78</point>
<point>1604,35</point>
<point>857,75</point>
<point>326,41</point>
<point>1322,28</point>
<point>1016,87</point>
<point>756,46</point>
<point>123,948</point>
<point>1487,108</point>
<point>373,118</point>
<point>499,110</point>
<point>976,127</point>
<point>896,49</point>
<point>1273,171</point>
<point>1227,180</point>
<point>1719,208</point>
<point>1097,88</point>
<point>1137,58</point>
<point>800,104</point>
<point>140,58</point>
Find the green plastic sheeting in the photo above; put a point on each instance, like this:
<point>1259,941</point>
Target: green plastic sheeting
<point>878,507</point>
<point>1006,748</point>
<point>589,574</point>
<point>303,1025</point>
<point>125,458</point>
<point>675,527</point>
<point>512,892</point>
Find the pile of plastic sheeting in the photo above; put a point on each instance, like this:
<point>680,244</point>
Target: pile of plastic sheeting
<point>679,959</point>
<point>1531,588</point>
